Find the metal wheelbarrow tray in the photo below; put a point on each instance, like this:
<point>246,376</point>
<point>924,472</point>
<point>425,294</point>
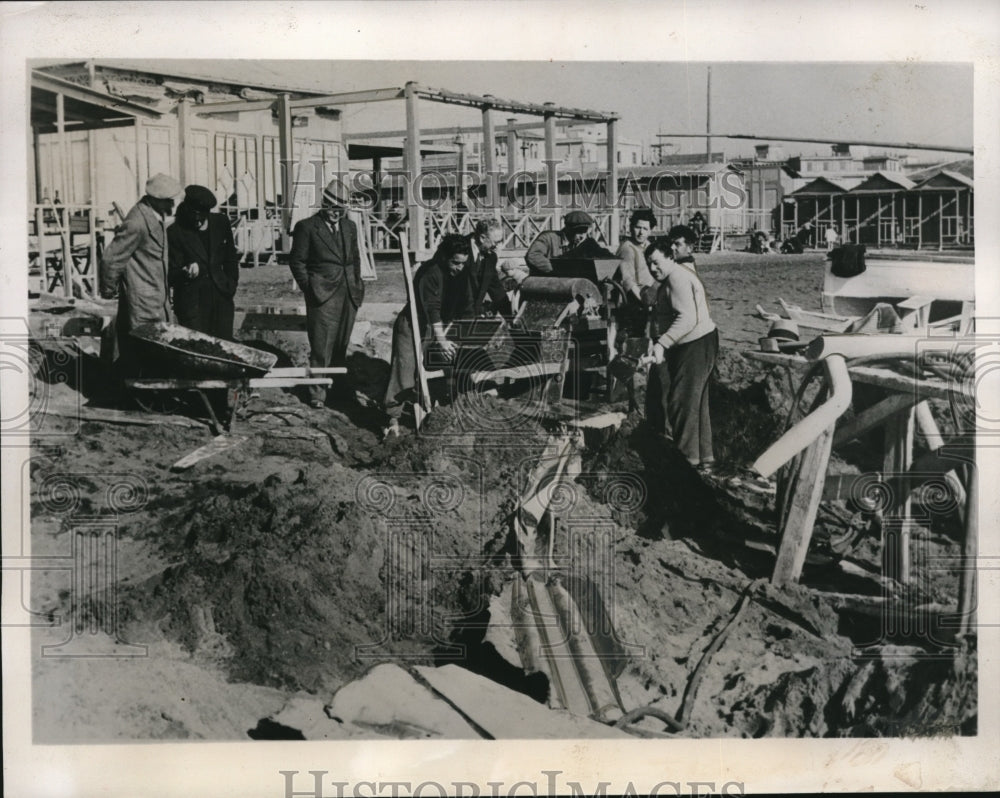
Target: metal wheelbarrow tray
<point>186,353</point>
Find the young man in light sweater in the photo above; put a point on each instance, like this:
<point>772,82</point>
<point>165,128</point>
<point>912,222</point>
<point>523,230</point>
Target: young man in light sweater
<point>684,344</point>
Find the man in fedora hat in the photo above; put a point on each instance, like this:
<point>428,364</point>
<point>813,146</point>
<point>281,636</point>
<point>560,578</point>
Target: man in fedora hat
<point>204,265</point>
<point>134,266</point>
<point>557,243</point>
<point>326,264</point>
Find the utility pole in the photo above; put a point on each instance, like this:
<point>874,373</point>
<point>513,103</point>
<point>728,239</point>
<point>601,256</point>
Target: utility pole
<point>708,118</point>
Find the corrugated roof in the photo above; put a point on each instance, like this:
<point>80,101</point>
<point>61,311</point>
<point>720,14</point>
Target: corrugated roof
<point>254,74</point>
<point>952,177</point>
<point>877,183</point>
<point>821,186</point>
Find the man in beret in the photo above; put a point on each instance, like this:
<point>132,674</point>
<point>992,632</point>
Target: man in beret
<point>204,265</point>
<point>556,243</point>
<point>326,264</point>
<point>134,266</point>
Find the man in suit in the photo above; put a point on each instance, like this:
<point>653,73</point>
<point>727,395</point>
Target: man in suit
<point>482,271</point>
<point>204,265</point>
<point>326,265</point>
<point>134,267</point>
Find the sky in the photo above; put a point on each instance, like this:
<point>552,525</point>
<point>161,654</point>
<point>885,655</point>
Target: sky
<point>891,101</point>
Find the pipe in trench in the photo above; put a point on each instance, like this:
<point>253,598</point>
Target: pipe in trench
<point>812,426</point>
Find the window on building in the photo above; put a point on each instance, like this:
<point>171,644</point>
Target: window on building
<point>618,156</point>
<point>635,158</point>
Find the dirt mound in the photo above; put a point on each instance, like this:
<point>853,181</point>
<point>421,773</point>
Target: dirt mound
<point>300,582</point>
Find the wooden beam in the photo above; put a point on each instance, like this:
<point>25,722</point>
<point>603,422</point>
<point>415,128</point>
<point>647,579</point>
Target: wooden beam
<point>183,112</point>
<point>801,505</point>
<point>481,101</point>
<point>287,154</point>
<point>455,130</point>
<point>611,186</point>
<point>65,176</point>
<point>970,551</point>
<point>897,523</point>
<point>140,180</point>
<point>490,163</point>
<point>511,151</point>
<point>413,166</point>
<point>44,82</point>
<point>874,416</point>
<point>345,98</point>
<point>551,169</point>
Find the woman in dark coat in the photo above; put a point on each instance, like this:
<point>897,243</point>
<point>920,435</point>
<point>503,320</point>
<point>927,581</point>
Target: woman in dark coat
<point>204,265</point>
<point>442,293</point>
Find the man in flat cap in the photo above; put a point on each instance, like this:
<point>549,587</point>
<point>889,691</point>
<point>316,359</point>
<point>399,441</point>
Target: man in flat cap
<point>556,243</point>
<point>134,266</point>
<point>326,265</point>
<point>204,265</point>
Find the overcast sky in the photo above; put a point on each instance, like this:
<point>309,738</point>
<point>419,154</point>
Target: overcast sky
<point>922,103</point>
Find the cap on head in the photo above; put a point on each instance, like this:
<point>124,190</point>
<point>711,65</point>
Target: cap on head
<point>577,220</point>
<point>336,194</point>
<point>200,197</point>
<point>163,187</point>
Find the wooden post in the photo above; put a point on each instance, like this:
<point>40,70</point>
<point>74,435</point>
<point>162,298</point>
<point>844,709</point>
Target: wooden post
<point>611,187</point>
<point>140,168</point>
<point>423,404</point>
<point>920,220</point>
<point>878,224</point>
<point>40,229</point>
<point>940,222</point>
<point>92,214</point>
<point>511,149</point>
<point>37,156</point>
<point>286,148</point>
<point>413,199</point>
<point>970,551</point>
<point>801,505</point>
<point>183,122</point>
<point>552,172</point>
<point>897,460</point>
<point>64,222</point>
<point>490,163</point>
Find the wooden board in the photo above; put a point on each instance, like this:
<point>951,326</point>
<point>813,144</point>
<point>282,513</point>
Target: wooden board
<point>218,444</point>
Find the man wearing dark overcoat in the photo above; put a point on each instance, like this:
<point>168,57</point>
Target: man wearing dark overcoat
<point>326,264</point>
<point>204,265</point>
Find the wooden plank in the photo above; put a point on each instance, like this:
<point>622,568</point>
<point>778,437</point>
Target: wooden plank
<point>890,380</point>
<point>288,382</point>
<point>423,403</point>
<point>873,416</point>
<point>517,372</point>
<point>305,371</point>
<point>218,444</point>
<point>802,504</point>
<point>970,550</point>
<point>124,417</point>
<point>896,524</point>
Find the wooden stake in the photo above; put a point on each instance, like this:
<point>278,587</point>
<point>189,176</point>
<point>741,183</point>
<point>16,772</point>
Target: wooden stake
<point>801,506</point>
<point>423,404</point>
<point>970,550</point>
<point>897,460</point>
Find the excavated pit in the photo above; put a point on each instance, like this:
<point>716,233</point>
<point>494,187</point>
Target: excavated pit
<point>315,552</point>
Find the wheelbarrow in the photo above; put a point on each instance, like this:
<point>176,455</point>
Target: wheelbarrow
<point>176,360</point>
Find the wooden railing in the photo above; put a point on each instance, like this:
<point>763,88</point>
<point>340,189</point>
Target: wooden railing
<point>64,243</point>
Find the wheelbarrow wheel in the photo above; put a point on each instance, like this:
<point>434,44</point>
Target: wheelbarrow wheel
<point>160,402</point>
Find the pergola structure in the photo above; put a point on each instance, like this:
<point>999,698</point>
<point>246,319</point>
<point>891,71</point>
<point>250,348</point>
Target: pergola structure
<point>412,93</point>
<point>64,106</point>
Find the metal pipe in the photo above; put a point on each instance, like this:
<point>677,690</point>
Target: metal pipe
<point>813,425</point>
<point>558,288</point>
<point>852,346</point>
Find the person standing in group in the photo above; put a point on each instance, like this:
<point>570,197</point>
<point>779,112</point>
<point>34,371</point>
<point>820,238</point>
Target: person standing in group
<point>204,265</point>
<point>633,274</point>
<point>484,282</point>
<point>135,268</point>
<point>556,243</point>
<point>326,264</point>
<point>442,295</point>
<point>684,345</point>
